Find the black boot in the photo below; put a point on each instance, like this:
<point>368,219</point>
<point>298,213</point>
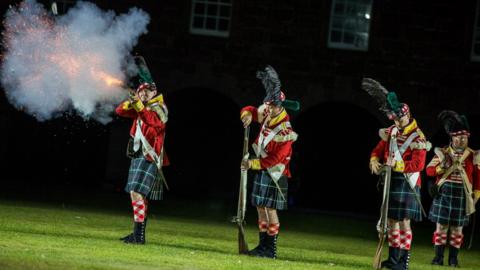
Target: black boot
<point>126,237</point>
<point>260,249</point>
<point>403,260</point>
<point>453,257</point>
<point>438,259</point>
<point>138,235</point>
<point>392,260</point>
<point>131,234</point>
<point>271,246</point>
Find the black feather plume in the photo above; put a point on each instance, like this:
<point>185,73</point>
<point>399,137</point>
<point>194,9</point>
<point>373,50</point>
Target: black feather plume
<point>465,122</point>
<point>451,120</point>
<point>377,91</point>
<point>271,83</point>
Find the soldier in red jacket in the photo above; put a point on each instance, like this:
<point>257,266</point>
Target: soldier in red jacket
<point>145,180</point>
<point>456,189</point>
<point>273,149</point>
<point>403,147</point>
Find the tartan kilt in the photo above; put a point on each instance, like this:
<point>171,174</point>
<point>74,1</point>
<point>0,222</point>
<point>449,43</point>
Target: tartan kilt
<point>448,207</point>
<point>265,193</point>
<point>144,178</point>
<point>402,202</point>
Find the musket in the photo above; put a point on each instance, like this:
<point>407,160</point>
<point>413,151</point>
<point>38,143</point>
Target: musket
<point>382,224</point>
<point>242,198</point>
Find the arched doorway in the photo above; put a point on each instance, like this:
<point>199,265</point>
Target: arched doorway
<point>204,144</point>
<point>330,163</point>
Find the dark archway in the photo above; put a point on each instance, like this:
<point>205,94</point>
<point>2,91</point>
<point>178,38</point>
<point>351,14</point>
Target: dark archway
<point>204,144</point>
<point>330,166</point>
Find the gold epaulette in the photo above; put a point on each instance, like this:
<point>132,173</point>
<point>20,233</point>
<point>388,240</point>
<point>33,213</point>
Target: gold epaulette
<point>420,134</point>
<point>384,133</point>
<point>285,135</point>
<point>419,145</point>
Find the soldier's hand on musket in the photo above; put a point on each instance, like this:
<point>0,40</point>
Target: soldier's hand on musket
<point>375,166</point>
<point>132,96</point>
<point>245,165</point>
<point>390,162</point>
<point>247,119</point>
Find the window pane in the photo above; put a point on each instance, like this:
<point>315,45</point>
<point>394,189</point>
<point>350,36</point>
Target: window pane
<point>362,9</point>
<point>362,25</point>
<point>337,22</point>
<point>351,10</point>
<point>223,24</point>
<point>225,11</point>
<point>336,36</point>
<point>211,24</point>
<point>198,22</point>
<point>212,10</point>
<point>199,9</point>
<point>348,37</point>
<point>361,40</point>
<point>349,24</point>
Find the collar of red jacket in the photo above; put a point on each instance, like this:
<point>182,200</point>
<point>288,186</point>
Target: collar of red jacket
<point>410,127</point>
<point>280,118</point>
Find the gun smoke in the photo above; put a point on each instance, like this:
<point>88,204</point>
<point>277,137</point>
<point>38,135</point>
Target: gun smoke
<point>78,60</point>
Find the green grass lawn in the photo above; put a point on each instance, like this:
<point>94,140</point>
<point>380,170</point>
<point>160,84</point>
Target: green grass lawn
<point>52,236</point>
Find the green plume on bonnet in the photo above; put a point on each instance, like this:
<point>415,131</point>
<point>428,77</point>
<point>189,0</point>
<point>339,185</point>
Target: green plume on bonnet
<point>145,76</point>
<point>143,71</point>
<point>393,102</point>
<point>291,105</point>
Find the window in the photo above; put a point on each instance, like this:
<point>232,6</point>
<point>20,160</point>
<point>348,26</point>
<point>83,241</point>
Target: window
<point>476,36</point>
<point>350,24</point>
<point>211,17</point>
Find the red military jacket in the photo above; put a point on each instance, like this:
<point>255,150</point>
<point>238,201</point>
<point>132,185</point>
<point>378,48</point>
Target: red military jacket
<point>471,164</point>
<point>275,157</point>
<point>153,128</point>
<point>413,157</point>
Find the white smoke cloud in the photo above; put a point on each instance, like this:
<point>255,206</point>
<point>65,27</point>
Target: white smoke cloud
<point>53,64</point>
